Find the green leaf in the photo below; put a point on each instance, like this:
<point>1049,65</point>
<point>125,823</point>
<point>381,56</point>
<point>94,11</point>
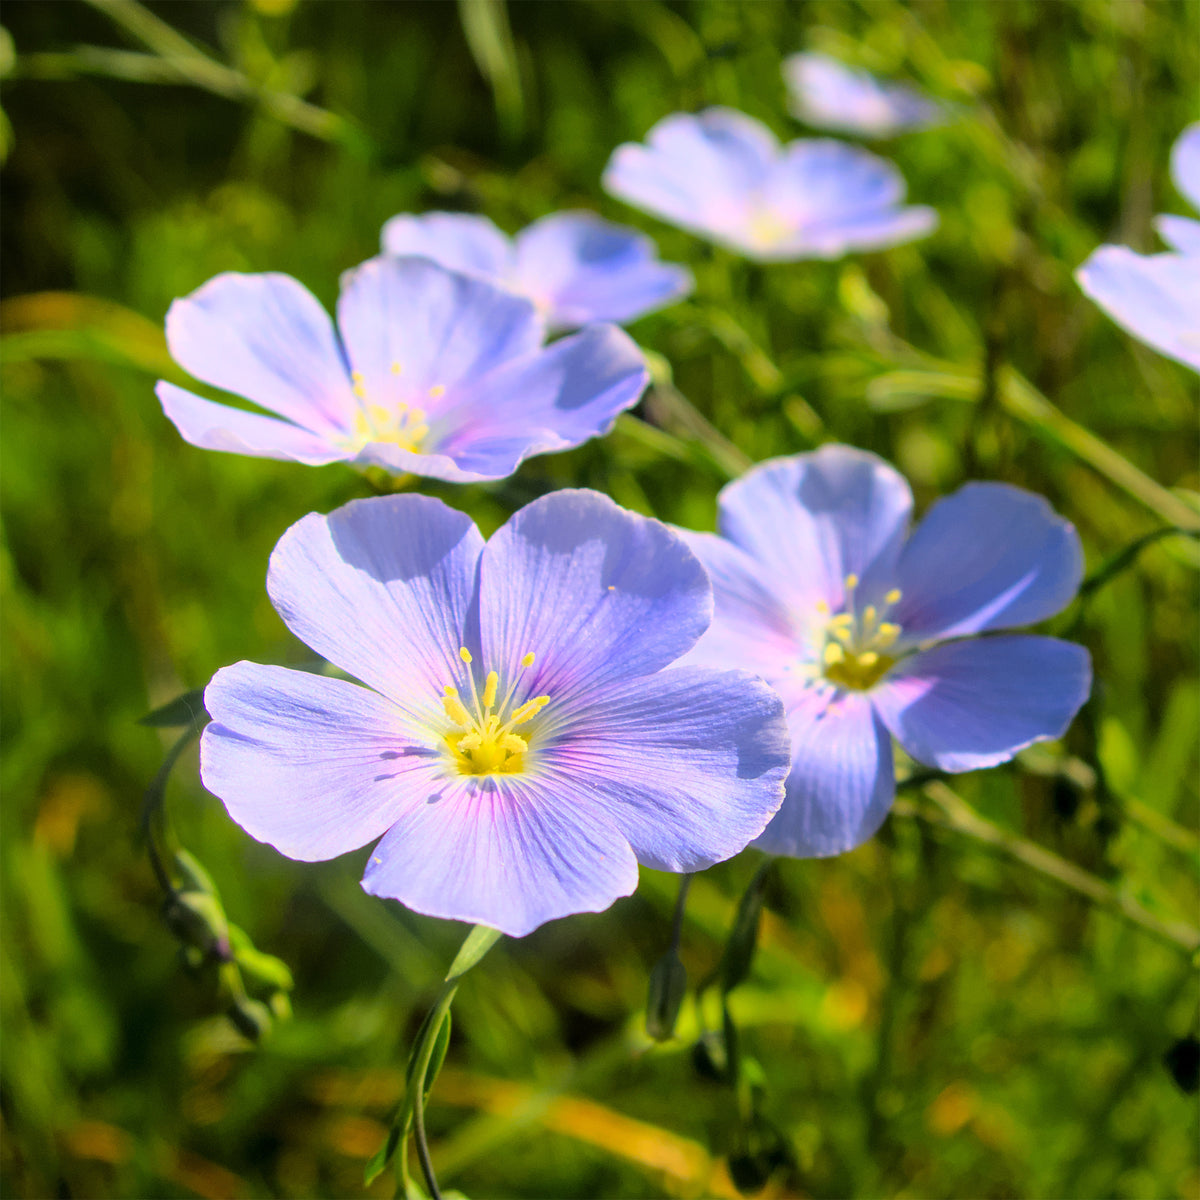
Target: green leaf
<point>382,1156</point>
<point>478,942</point>
<point>665,995</point>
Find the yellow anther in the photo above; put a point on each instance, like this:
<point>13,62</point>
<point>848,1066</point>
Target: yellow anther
<point>822,608</point>
<point>842,621</point>
<point>851,582</point>
<point>455,709</point>
<point>833,654</point>
<point>489,689</point>
<point>528,710</point>
<point>513,744</point>
<point>437,390</point>
<point>395,368</point>
<point>893,596</point>
<point>464,654</point>
<point>869,615</point>
<point>887,634</point>
<point>527,659</point>
<point>357,376</point>
<point>843,633</point>
<point>868,659</point>
<point>360,390</point>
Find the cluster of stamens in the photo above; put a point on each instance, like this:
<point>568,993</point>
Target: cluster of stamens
<point>854,654</point>
<point>482,741</point>
<point>400,423</point>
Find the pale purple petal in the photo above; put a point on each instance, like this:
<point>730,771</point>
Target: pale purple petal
<point>314,766</point>
<point>830,95</point>
<point>991,556</point>
<point>841,784</point>
<point>966,705</point>
<point>1185,164</point>
<point>1182,234</point>
<point>813,519</point>
<point>504,851</point>
<point>752,626</point>
<point>419,334</point>
<point>267,338</point>
<point>460,241</point>
<point>551,400</point>
<point>383,588</point>
<point>596,593</point>
<point>580,268</point>
<point>1155,297</point>
<point>835,237</point>
<point>220,427</point>
<point>696,170</point>
<point>689,764</point>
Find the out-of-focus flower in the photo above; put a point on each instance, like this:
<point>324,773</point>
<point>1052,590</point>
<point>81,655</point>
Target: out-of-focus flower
<point>723,175</point>
<point>523,740</point>
<point>430,371</point>
<point>1156,297</point>
<point>827,94</point>
<point>576,267</point>
<point>868,633</point>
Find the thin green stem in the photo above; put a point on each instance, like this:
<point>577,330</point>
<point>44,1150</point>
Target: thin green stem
<point>429,1033</point>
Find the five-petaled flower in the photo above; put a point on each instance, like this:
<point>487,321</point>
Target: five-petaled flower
<point>576,267</point>
<point>868,633</point>
<point>723,175</point>
<point>431,372</point>
<point>523,740</point>
<point>1157,296</point>
<point>827,94</point>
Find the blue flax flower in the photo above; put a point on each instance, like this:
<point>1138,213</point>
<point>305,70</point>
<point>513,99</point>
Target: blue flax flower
<point>430,371</point>
<point>868,633</point>
<point>723,175</point>
<point>1157,296</point>
<point>576,267</point>
<point>827,94</point>
<point>523,740</point>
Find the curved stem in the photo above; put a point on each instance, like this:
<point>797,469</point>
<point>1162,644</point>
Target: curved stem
<point>424,1052</point>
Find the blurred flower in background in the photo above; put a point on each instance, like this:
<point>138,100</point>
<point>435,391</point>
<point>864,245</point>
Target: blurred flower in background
<point>576,267</point>
<point>524,746</point>
<point>723,175</point>
<point>1156,297</point>
<point>868,633</point>
<point>827,94</point>
<point>435,373</point>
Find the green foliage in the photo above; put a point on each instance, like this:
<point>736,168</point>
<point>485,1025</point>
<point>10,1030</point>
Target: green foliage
<point>988,999</point>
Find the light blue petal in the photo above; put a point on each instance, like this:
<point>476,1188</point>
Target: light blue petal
<point>460,241</point>
<point>384,588</point>
<point>841,784</point>
<point>264,337</point>
<point>1181,233</point>
<point>828,94</point>
<point>689,764</point>
<point>421,335</point>
<point>813,519</point>
<point>219,427</point>
<point>596,593</point>
<point>547,401</point>
<point>1185,164</point>
<point>580,268</point>
<point>838,236</point>
<point>967,705</point>
<point>1155,297</point>
<point>504,851</point>
<point>991,556</point>
<point>313,766</point>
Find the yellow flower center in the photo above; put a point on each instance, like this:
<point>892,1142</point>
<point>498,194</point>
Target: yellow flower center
<point>399,423</point>
<point>482,741</point>
<point>854,654</point>
<point>767,229</point>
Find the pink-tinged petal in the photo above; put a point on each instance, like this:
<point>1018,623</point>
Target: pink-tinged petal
<point>219,427</point>
<point>813,519</point>
<point>835,236</point>
<point>580,268</point>
<point>400,461</point>
<point>551,400</point>
<point>596,593</point>
<point>504,851</point>
<point>313,766</point>
<point>991,556</point>
<point>1181,233</point>
<point>416,332</point>
<point>267,338</point>
<point>841,784</point>
<point>1185,163</point>
<point>384,588</point>
<point>689,764</point>
<point>752,627</point>
<point>967,705</point>
<point>460,241</point>
<point>1155,297</point>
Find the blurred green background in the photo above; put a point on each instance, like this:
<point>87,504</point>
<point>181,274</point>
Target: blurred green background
<point>976,1003</point>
